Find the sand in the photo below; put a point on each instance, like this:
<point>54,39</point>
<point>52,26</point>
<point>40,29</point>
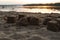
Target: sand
<point>11,32</point>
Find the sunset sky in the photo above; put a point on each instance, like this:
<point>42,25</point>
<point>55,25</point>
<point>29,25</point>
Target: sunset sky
<point>27,1</point>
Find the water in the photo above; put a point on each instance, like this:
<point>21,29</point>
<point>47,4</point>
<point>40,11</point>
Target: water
<point>34,10</point>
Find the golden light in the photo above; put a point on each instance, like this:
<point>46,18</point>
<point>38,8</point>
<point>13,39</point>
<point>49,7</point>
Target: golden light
<point>44,6</point>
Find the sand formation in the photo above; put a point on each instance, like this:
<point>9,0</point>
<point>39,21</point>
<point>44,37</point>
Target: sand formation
<point>52,21</point>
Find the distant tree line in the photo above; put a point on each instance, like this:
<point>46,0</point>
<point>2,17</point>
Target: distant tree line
<point>52,4</point>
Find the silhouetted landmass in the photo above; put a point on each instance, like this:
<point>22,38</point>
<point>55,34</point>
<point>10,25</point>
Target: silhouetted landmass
<point>11,5</point>
<point>52,4</point>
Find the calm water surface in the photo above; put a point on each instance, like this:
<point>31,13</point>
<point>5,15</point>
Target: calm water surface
<point>35,10</point>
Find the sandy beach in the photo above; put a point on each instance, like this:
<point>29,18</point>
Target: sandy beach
<point>10,31</point>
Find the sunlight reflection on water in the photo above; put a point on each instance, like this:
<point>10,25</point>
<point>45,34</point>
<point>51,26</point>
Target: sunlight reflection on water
<point>35,10</point>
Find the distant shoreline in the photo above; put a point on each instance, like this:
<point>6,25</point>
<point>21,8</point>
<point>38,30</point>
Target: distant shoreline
<point>51,4</point>
<point>55,7</point>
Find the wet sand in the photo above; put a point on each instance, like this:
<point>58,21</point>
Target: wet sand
<point>11,32</point>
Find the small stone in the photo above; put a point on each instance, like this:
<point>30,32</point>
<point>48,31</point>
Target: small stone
<point>53,26</point>
<point>10,20</point>
<point>20,16</point>
<point>22,22</point>
<point>33,20</point>
<point>45,22</point>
